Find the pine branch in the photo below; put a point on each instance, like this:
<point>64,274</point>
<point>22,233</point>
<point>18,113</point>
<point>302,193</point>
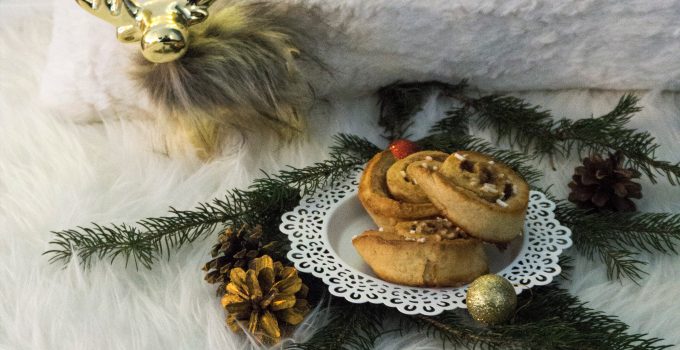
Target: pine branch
<point>592,329</point>
<point>531,128</point>
<point>262,203</point>
<point>547,318</point>
<point>149,239</point>
<point>400,102</point>
<point>617,239</point>
<point>567,264</point>
<point>353,146</point>
<point>455,122</point>
<point>451,134</point>
<point>352,326</point>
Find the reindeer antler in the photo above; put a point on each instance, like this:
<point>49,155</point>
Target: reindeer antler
<point>110,10</point>
<point>120,13</point>
<point>161,25</point>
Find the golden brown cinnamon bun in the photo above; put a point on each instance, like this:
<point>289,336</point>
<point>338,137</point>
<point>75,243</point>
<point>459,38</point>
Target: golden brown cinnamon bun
<point>426,253</point>
<point>404,188</point>
<point>485,198</point>
<point>376,197</point>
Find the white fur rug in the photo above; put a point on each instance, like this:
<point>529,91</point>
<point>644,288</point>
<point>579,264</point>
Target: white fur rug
<point>73,151</point>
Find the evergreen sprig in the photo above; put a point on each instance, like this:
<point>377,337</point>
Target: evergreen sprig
<point>353,146</point>
<point>547,317</point>
<point>132,243</point>
<point>534,129</point>
<point>618,239</point>
<point>519,162</point>
<point>451,134</point>
<point>400,102</point>
<point>262,203</point>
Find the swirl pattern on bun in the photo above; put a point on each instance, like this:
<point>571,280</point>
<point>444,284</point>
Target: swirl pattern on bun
<point>403,187</point>
<point>377,197</point>
<point>485,198</point>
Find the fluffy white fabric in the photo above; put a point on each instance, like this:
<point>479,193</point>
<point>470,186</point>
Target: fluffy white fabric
<point>497,44</point>
<point>103,161</point>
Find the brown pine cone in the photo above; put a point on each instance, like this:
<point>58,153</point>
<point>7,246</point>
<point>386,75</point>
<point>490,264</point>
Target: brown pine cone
<point>236,248</point>
<point>604,185</point>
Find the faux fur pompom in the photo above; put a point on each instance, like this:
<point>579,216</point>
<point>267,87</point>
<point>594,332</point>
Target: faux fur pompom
<point>240,73</point>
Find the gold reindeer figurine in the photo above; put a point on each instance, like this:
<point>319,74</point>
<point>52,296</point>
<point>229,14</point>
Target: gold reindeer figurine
<point>162,26</point>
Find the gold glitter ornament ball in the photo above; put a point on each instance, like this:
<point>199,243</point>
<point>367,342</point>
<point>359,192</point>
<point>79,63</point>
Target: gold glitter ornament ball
<point>491,299</point>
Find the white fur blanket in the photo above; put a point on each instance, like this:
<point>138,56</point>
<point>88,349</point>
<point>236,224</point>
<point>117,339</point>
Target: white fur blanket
<point>74,149</point>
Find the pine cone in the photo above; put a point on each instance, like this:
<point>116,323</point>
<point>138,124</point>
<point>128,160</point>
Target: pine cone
<point>266,295</point>
<point>234,249</point>
<point>604,184</point>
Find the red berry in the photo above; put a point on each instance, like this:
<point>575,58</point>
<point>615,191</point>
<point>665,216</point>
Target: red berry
<point>403,148</point>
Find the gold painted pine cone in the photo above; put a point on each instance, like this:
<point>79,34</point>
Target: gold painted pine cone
<point>265,295</point>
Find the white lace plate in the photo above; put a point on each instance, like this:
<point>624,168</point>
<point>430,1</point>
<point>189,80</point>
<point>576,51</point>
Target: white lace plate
<point>321,230</point>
